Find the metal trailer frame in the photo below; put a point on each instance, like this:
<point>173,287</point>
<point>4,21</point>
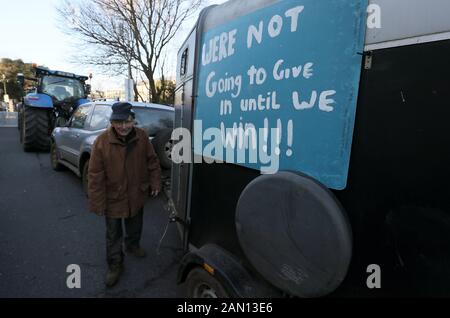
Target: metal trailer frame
<point>397,192</point>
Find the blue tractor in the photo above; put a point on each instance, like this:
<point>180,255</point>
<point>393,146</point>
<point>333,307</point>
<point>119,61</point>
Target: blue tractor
<point>50,103</point>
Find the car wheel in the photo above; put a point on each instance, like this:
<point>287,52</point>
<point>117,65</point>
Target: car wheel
<point>85,176</point>
<point>54,158</point>
<point>163,145</point>
<point>201,284</point>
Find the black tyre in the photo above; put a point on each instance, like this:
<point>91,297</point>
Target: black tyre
<point>163,145</point>
<point>35,129</point>
<point>54,157</point>
<point>85,176</point>
<point>201,284</point>
<point>310,236</point>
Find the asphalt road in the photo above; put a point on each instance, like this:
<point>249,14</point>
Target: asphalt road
<point>45,226</point>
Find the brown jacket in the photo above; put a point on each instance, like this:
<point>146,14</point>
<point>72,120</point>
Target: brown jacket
<point>120,181</point>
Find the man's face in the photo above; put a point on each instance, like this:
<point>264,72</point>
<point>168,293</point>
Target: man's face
<point>122,127</point>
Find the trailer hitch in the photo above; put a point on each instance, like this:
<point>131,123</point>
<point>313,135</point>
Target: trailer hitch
<point>175,218</point>
<point>173,215</point>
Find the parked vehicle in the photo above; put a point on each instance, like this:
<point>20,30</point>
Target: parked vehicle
<point>361,199</point>
<point>71,144</point>
<point>56,96</point>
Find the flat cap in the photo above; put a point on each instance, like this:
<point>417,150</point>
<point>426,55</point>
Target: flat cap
<point>122,111</point>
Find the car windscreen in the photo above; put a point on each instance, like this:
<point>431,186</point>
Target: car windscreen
<point>153,120</point>
<point>62,87</point>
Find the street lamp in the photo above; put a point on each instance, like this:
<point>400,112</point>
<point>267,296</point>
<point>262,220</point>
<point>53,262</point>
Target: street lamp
<point>4,84</point>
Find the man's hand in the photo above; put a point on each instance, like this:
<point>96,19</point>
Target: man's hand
<point>154,193</point>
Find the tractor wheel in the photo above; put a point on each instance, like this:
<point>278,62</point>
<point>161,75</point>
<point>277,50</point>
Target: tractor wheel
<point>35,129</point>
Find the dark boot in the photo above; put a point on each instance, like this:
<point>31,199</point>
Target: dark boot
<point>136,251</point>
<point>113,275</point>
<point>133,227</point>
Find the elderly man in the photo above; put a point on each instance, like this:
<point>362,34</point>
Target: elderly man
<point>123,171</point>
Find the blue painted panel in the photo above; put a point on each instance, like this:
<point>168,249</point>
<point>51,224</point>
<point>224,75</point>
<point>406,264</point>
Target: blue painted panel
<point>39,100</point>
<point>82,101</point>
<point>294,65</point>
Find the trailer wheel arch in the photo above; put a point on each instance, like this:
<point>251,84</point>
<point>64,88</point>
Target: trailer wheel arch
<point>198,259</point>
<point>227,270</point>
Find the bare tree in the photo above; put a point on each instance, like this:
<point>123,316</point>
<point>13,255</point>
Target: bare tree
<point>127,34</point>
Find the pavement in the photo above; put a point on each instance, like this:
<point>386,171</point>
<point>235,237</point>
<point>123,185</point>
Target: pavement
<point>8,119</point>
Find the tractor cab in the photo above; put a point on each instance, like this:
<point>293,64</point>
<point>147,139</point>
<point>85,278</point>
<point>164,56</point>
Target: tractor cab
<point>66,90</point>
<point>51,103</point>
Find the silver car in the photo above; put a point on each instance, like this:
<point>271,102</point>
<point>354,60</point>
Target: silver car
<point>71,144</point>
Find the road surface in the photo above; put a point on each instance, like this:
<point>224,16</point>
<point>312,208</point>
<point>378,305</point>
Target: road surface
<point>45,226</point>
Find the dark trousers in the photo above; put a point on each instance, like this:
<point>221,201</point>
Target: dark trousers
<point>114,234</point>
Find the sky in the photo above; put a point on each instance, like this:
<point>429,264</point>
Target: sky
<point>29,31</point>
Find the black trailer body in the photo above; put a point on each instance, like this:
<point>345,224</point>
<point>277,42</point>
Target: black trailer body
<point>298,231</point>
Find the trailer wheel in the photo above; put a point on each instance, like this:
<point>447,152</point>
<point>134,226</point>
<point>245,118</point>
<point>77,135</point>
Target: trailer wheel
<point>35,129</point>
<point>201,284</point>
